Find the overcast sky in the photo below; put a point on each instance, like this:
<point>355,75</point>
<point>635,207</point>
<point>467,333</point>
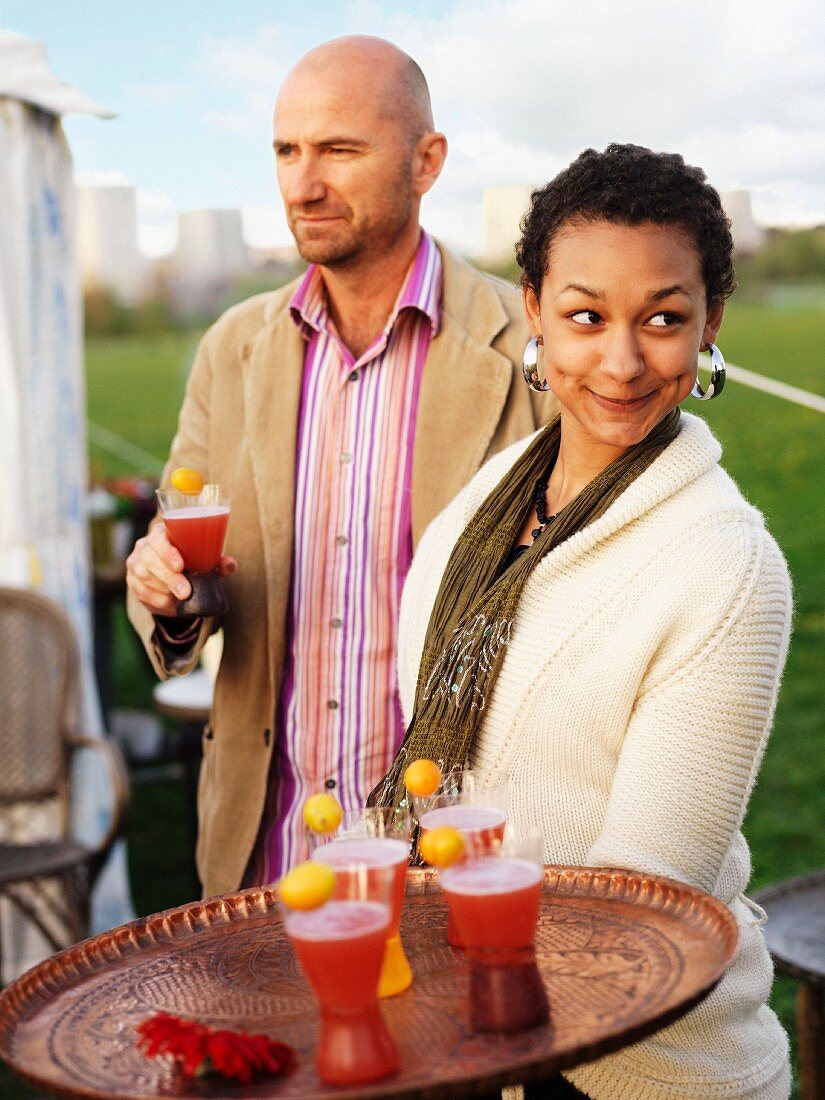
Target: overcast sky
<point>518,86</point>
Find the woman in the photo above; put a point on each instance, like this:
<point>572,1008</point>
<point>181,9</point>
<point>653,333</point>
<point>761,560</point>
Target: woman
<point>600,613</point>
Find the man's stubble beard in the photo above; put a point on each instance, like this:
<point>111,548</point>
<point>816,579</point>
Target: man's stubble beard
<point>323,250</point>
<point>351,246</point>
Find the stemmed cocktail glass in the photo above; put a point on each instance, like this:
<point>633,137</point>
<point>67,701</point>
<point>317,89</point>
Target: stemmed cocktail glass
<point>196,524</point>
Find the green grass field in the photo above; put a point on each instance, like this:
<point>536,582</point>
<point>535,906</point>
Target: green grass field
<point>772,448</point>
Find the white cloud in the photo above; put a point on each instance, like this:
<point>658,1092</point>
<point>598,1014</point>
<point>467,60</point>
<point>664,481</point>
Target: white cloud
<point>249,70</point>
<point>264,225</point>
<point>790,203</point>
<point>363,14</point>
<point>258,61</point>
<point>520,88</point>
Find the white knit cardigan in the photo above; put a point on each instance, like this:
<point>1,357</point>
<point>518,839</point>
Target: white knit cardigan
<point>631,713</point>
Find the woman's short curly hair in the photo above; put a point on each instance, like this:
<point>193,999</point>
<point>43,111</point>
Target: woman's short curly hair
<point>630,185</point>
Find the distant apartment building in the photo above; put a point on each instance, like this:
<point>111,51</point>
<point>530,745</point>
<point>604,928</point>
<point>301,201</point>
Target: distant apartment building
<point>210,256</point>
<point>504,207</point>
<point>748,235</point>
<point>210,245</point>
<point>108,240</point>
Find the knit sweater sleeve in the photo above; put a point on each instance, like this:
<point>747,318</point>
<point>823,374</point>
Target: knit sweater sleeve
<point>696,736</point>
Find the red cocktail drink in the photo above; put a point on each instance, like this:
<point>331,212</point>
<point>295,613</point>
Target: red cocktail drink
<point>484,828</point>
<point>340,947</point>
<point>196,525</point>
<point>495,902</point>
<point>375,855</point>
<point>484,823</point>
<point>198,533</point>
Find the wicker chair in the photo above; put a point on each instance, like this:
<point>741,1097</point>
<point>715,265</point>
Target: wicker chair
<point>45,875</point>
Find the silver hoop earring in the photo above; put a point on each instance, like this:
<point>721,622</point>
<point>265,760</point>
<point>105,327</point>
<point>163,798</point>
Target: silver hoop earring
<point>717,377</point>
<point>529,365</point>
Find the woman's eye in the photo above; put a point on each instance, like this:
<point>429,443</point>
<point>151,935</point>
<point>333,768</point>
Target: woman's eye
<point>664,319</point>
<point>585,317</point>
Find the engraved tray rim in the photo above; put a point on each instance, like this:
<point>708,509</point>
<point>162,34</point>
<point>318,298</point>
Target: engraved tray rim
<point>23,998</point>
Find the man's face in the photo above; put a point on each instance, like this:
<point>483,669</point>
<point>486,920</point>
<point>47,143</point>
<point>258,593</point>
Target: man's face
<point>344,168</point>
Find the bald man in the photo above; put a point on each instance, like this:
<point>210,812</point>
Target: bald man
<point>345,411</point>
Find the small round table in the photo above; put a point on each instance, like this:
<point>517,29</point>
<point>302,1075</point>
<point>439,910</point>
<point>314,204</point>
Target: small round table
<point>795,934</point>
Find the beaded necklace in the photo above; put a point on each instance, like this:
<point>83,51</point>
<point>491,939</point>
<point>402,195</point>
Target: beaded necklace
<point>540,504</point>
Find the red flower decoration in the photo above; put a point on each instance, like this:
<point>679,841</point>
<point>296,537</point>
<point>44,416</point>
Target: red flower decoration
<point>200,1049</point>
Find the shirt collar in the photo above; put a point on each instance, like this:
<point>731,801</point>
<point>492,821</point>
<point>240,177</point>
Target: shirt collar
<point>422,285</point>
<point>421,290</point>
<point>308,304</point>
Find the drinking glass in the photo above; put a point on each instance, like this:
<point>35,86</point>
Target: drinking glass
<point>196,524</point>
<point>377,838</point>
<point>340,946</point>
<point>494,896</point>
<point>473,803</point>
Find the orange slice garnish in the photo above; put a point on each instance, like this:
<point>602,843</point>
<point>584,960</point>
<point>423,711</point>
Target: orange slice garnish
<point>422,778</point>
<point>187,481</point>
<point>307,886</point>
<point>442,846</point>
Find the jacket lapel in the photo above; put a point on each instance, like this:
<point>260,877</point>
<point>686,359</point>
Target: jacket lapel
<point>464,389</point>
<point>273,369</point>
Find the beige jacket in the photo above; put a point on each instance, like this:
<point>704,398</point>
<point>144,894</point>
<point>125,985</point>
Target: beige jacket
<point>238,427</point>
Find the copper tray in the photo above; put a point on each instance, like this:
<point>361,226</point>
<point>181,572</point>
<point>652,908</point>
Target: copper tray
<point>621,954</point>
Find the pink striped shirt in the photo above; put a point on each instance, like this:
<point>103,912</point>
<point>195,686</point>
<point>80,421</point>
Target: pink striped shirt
<point>339,720</point>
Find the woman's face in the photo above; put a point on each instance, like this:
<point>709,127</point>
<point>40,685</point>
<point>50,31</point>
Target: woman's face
<point>623,314</point>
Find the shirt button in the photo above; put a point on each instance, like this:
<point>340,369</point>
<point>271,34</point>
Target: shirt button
<point>332,704</point>
<point>330,784</point>
<point>341,540</point>
<point>346,458</point>
<point>353,376</point>
<point>336,624</point>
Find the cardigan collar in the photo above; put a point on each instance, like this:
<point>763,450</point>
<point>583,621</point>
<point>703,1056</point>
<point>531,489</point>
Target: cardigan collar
<point>692,454</point>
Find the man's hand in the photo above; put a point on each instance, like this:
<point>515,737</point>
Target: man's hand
<point>154,572</point>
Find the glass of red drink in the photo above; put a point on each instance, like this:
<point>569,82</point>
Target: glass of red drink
<point>196,524</point>
<point>340,946</point>
<point>378,839</point>
<point>474,804</point>
<point>494,895</point>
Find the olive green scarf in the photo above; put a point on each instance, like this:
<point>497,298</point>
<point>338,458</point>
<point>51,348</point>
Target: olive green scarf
<point>476,604</point>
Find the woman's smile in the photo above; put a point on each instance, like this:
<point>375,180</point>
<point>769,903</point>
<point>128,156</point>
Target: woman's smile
<point>621,404</point>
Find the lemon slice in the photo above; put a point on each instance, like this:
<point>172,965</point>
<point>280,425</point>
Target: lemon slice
<point>187,481</point>
<point>442,846</point>
<point>307,886</point>
<point>322,813</point>
<point>422,778</point>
